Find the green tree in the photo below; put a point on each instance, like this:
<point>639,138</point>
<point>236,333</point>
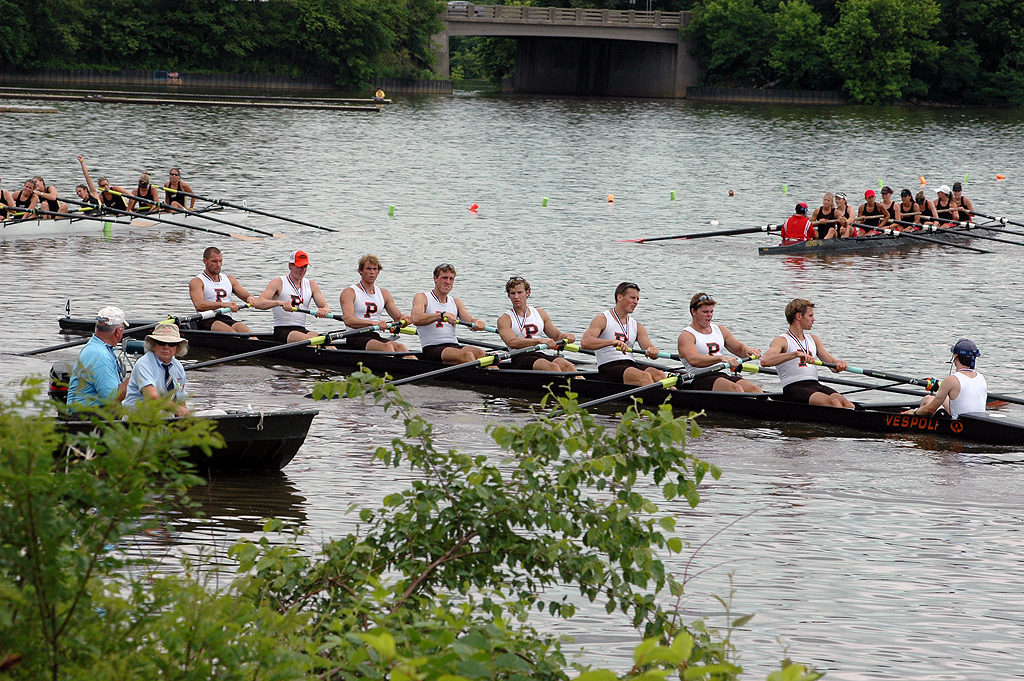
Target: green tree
<point>877,43</point>
<point>798,55</point>
<point>732,40</point>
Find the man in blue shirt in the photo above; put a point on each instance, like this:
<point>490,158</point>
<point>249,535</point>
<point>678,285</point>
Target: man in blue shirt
<point>98,376</point>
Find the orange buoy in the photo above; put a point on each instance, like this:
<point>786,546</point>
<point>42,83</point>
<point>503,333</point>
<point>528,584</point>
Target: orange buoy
<point>611,198</point>
<point>1000,177</point>
<point>923,183</point>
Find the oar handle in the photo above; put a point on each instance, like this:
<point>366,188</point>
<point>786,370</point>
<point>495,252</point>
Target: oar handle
<point>444,318</point>
<point>329,315</point>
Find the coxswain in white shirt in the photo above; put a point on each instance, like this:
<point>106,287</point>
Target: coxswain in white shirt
<point>701,344</point>
<point>964,391</point>
<point>211,289</point>
<point>361,306</point>
<point>293,290</point>
<point>794,353</point>
<point>613,332</point>
<point>525,326</point>
<point>436,314</point>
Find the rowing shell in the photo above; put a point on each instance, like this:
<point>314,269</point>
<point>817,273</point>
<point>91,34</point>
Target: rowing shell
<point>982,428</point>
<point>866,244</point>
<point>76,226</point>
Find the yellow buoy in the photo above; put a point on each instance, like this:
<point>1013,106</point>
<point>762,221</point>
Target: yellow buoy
<point>611,198</point>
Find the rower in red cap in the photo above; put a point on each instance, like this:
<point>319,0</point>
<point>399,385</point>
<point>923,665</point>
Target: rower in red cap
<point>292,290</point>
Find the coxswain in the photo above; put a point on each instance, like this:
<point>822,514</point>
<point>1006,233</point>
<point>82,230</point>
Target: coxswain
<point>965,204</point>
<point>701,344</point>
<point>361,305</point>
<point>844,216</point>
<point>794,353</point>
<point>964,391</point>
<point>945,209</point>
<point>98,377</point>
<point>798,227</point>
<point>906,210</point>
<point>146,191</point>
<point>159,373</point>
<point>211,289</point>
<point>824,218</point>
<point>48,199</point>
<point>177,200</point>
<point>292,290</point>
<point>436,313</point>
<point>525,326</point>
<point>871,213</point>
<point>614,332</point>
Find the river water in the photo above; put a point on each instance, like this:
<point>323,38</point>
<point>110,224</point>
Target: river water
<point>871,557</point>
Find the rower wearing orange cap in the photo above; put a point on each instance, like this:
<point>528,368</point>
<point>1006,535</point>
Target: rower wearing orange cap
<point>290,291</point>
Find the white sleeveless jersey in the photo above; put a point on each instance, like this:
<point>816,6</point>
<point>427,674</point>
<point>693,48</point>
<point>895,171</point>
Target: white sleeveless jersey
<point>530,326</point>
<point>615,331</point>
<point>215,291</point>
<point>794,371</point>
<point>439,332</point>
<point>300,297</point>
<point>707,343</point>
<point>973,395</point>
<point>367,305</point>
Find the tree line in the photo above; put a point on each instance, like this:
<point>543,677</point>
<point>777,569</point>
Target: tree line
<point>344,41</point>
<point>877,51</point>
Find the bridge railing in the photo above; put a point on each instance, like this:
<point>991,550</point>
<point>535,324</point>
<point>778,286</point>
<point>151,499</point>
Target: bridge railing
<point>566,16</point>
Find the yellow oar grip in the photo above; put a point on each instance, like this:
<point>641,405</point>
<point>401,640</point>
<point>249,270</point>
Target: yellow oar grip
<point>487,361</point>
<point>669,381</point>
<point>319,340</point>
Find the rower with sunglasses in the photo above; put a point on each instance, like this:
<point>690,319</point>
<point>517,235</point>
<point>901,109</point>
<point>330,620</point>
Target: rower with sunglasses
<point>613,332</point>
<point>175,199</point>
<point>701,344</point>
<point>146,191</point>
<point>524,326</point>
<point>436,313</point>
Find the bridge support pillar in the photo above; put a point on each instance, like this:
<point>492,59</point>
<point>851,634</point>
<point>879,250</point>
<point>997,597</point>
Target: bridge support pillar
<point>443,66</point>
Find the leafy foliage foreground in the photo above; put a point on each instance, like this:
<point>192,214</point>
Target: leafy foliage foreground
<point>437,583</point>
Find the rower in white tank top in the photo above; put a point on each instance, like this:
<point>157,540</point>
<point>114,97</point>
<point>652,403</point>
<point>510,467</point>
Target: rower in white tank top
<point>439,332</point>
<point>295,297</point>
<point>615,328</point>
<point>973,394</point>
<point>367,305</point>
<point>707,343</point>
<point>215,291</point>
<point>530,326</point>
<point>796,370</point>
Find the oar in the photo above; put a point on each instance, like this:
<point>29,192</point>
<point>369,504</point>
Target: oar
<point>301,310</point>
<point>160,204</point>
<point>575,347</point>
<point>1002,220</point>
<point>180,319</point>
<point>323,340</point>
<point>55,214</point>
<point>149,216</point>
<point>486,360</point>
<point>221,202</point>
<point>964,225</point>
<point>896,233</point>
<point>666,382</point>
<point>701,235</point>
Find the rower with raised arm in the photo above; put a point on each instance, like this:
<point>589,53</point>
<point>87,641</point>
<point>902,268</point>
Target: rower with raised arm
<point>106,196</point>
<point>613,332</point>
<point>292,290</point>
<point>524,326</point>
<point>211,289</point>
<point>147,191</point>
<point>436,313</point>
<point>794,353</point>
<point>701,344</point>
<point>177,200</point>
<point>361,305</point>
<point>964,391</point>
<point>87,192</point>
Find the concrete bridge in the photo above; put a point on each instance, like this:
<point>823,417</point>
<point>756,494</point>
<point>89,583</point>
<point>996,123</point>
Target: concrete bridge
<point>582,51</point>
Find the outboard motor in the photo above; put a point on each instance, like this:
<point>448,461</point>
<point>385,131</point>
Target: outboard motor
<point>60,376</point>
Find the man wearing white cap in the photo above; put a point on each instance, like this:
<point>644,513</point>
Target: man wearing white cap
<point>159,373</point>
<point>98,376</point>
<point>292,290</point>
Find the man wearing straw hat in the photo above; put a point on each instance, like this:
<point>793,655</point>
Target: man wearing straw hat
<point>159,374</point>
<point>98,376</point>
